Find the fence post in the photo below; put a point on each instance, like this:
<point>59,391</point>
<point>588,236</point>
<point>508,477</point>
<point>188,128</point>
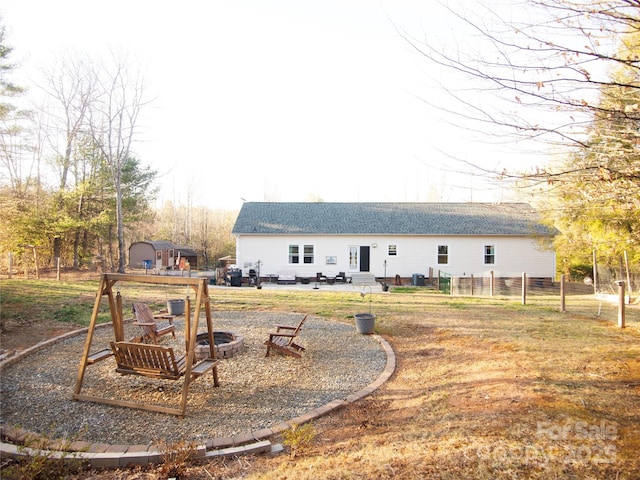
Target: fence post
<point>491,283</point>
<point>621,304</point>
<point>472,284</point>
<point>562,294</point>
<point>58,268</point>
<point>524,288</point>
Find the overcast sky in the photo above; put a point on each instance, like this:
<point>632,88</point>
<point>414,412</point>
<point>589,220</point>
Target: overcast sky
<point>272,100</point>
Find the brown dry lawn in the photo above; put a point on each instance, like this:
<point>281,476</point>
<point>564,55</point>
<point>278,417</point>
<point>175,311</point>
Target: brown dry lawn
<point>484,388</point>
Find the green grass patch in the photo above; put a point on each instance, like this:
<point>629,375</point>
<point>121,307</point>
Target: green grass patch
<point>456,305</point>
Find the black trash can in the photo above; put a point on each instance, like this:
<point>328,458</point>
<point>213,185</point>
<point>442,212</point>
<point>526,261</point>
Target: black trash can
<point>418,279</point>
<point>234,277</point>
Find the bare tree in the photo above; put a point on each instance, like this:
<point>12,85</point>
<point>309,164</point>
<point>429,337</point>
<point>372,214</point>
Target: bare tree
<point>70,85</point>
<point>113,124</point>
<point>536,75</point>
<point>562,76</point>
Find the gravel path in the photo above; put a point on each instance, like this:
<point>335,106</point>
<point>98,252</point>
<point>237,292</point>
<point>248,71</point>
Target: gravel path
<point>255,392</point>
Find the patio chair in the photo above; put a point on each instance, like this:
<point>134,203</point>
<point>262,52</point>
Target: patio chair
<point>283,339</point>
<point>149,325</point>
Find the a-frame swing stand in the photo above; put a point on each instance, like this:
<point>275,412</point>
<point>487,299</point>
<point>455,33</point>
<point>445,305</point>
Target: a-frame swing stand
<point>149,360</point>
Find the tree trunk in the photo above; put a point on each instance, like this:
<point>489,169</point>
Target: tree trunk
<point>120,229</point>
<point>57,247</point>
<point>76,246</point>
<point>110,248</point>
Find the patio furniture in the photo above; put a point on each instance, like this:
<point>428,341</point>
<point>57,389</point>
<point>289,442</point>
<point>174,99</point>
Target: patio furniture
<point>148,322</point>
<point>287,277</point>
<point>157,361</point>
<point>283,340</point>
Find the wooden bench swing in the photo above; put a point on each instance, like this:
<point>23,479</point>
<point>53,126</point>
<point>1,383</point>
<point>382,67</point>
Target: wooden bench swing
<point>150,360</point>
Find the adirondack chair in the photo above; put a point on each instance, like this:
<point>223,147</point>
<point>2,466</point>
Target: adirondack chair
<point>283,340</point>
<point>149,325</point>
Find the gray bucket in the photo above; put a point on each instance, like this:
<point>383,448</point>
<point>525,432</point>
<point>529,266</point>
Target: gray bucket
<point>175,307</point>
<point>365,323</point>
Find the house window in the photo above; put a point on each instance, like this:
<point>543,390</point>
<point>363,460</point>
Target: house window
<point>489,254</point>
<point>393,250</point>
<point>294,254</point>
<point>443,254</point>
<point>308,254</point>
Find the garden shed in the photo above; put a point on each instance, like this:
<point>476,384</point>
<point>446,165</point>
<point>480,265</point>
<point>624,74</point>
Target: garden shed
<point>161,255</point>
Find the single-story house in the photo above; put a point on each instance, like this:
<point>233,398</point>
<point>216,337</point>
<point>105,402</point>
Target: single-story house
<point>161,255</point>
<point>389,239</point>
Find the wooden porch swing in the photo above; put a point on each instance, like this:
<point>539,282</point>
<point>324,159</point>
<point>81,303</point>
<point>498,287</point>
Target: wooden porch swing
<point>155,361</point>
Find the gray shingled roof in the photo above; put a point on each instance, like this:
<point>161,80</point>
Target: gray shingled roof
<point>159,244</point>
<point>273,218</point>
<point>165,245</point>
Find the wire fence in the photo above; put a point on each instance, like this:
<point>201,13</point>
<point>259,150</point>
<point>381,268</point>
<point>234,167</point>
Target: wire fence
<point>487,284</point>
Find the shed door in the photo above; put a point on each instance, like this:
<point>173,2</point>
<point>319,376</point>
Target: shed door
<point>159,260</point>
<point>364,258</point>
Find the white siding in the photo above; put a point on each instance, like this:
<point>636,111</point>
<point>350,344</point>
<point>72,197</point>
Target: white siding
<point>415,254</point>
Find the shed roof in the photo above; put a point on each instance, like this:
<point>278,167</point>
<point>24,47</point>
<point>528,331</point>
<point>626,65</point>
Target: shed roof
<point>308,218</point>
<point>166,245</point>
<point>186,251</point>
<point>158,244</point>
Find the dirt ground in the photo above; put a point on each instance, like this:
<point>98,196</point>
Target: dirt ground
<point>18,336</point>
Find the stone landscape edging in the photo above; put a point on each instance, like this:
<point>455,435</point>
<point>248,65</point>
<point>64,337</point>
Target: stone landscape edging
<point>114,456</point>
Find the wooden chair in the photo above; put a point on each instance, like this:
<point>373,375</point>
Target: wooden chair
<point>283,340</point>
<point>149,325</point>
<point>156,361</point>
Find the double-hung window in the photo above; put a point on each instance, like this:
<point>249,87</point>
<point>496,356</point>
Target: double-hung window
<point>443,254</point>
<point>489,254</point>
<point>294,254</point>
<point>307,254</point>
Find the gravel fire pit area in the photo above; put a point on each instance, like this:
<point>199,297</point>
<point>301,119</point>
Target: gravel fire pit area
<point>255,391</point>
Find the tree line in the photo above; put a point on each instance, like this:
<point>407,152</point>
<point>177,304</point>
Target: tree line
<point>71,186</point>
<point>560,76</point>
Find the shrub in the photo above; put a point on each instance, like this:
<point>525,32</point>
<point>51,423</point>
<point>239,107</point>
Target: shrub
<point>299,438</point>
